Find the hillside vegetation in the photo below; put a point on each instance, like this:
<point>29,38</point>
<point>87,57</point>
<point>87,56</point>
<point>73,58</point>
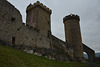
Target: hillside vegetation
<point>10,57</point>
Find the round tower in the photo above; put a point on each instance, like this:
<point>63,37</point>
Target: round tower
<point>73,35</point>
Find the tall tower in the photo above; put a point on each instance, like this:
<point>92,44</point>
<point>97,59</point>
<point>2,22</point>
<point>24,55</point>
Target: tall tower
<point>73,35</point>
<point>38,16</point>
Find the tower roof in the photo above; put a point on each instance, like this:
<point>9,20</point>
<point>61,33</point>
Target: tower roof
<point>40,5</point>
<point>72,16</point>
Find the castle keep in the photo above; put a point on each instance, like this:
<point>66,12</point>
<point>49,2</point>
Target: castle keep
<point>36,37</point>
<point>38,16</point>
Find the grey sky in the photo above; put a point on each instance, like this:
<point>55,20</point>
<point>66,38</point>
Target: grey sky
<point>88,10</point>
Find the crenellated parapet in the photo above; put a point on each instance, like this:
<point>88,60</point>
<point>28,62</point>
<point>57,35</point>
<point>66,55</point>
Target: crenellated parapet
<point>72,16</point>
<point>36,37</point>
<point>40,5</point>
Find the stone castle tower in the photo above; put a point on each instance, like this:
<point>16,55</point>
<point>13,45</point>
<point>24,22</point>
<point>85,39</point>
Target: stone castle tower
<point>33,36</point>
<point>73,35</point>
<point>38,16</point>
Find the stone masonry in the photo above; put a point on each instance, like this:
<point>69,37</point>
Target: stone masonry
<point>36,37</point>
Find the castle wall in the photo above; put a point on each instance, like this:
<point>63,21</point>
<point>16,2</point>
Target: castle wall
<point>34,39</point>
<point>13,31</point>
<point>90,53</point>
<point>11,26</point>
<point>10,21</point>
<point>56,43</point>
<point>59,49</point>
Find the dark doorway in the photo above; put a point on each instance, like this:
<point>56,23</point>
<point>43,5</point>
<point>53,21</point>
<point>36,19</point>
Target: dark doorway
<point>13,40</point>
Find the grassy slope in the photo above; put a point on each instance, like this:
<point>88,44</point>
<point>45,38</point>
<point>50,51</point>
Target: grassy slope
<point>14,58</point>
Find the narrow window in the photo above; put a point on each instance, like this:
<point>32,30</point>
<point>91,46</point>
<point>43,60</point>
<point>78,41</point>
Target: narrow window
<point>12,19</point>
<point>13,40</point>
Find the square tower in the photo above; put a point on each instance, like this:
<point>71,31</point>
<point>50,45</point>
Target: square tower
<point>38,16</point>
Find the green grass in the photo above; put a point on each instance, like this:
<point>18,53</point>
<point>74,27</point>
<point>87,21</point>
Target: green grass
<point>10,57</point>
<point>98,64</point>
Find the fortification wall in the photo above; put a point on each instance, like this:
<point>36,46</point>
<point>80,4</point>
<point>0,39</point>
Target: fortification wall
<point>90,52</point>
<point>10,21</point>
<point>59,49</point>
<point>33,38</point>
<point>13,31</point>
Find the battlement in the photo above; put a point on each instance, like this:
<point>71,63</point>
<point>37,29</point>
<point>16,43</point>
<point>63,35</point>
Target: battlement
<point>72,16</point>
<point>35,36</point>
<point>40,5</point>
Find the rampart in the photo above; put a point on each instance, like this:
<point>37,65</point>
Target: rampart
<point>13,32</point>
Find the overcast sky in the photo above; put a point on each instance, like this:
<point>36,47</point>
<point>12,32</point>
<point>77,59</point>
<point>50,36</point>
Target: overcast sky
<point>88,10</point>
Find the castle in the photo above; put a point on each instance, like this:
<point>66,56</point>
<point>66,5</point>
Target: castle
<point>36,35</point>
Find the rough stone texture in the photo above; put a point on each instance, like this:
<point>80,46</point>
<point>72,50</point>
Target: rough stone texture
<point>90,53</point>
<point>32,38</point>
<point>38,17</point>
<point>10,20</point>
<point>35,36</point>
<point>73,35</point>
<point>28,38</point>
<point>60,48</point>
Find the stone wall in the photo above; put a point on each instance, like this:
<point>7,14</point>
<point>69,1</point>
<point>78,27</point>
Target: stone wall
<point>33,38</point>
<point>10,21</point>
<point>90,53</point>
<point>59,48</point>
<point>13,31</point>
<point>51,47</point>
